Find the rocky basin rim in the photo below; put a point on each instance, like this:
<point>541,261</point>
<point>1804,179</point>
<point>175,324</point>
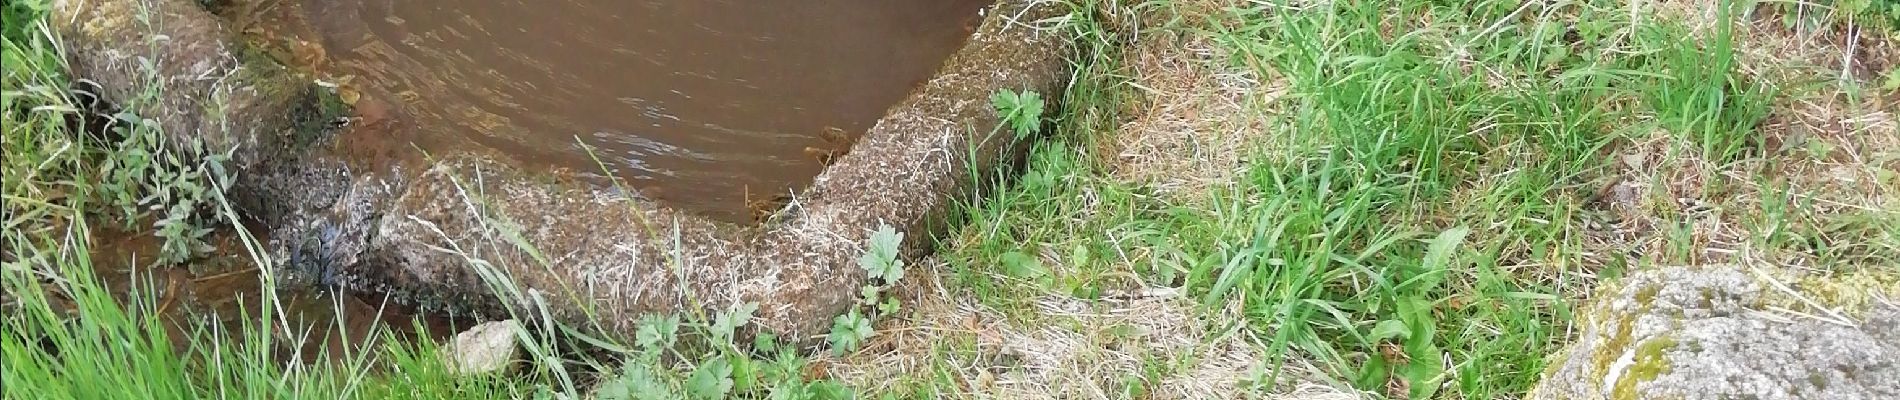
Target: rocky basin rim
<point>437,235</point>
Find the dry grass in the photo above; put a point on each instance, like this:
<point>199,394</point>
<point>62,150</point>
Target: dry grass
<point>1771,48</point>
<point>1830,143</point>
<point>1198,120</point>
<point>1074,348</point>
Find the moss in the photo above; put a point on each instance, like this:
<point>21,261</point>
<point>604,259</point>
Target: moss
<point>314,108</point>
<point>1648,294</point>
<point>1650,364</point>
<point>1851,294</point>
<point>108,19</point>
<point>1607,352</point>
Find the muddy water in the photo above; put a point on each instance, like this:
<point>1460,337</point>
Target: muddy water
<point>702,104</point>
<point>223,292</point>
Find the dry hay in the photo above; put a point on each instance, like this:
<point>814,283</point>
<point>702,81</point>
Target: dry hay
<point>1198,122</point>
<point>1657,187</point>
<point>1768,46</point>
<point>1073,348</point>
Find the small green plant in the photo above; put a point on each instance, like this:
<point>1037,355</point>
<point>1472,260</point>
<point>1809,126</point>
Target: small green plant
<point>663,366</point>
<point>143,174</point>
<point>1876,13</point>
<point>849,331</point>
<point>880,258</point>
<point>880,261</point>
<point>18,16</point>
<point>1020,111</point>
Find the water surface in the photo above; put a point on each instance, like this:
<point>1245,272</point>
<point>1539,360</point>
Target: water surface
<point>706,105</point>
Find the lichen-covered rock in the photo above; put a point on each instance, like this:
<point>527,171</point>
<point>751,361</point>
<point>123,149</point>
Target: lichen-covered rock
<point>1721,332</point>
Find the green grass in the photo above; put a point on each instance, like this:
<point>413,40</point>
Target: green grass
<point>1423,234</point>
<point>1418,230</point>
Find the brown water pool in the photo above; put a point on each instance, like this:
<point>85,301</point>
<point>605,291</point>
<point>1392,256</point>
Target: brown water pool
<point>707,105</point>
<point>223,292</point>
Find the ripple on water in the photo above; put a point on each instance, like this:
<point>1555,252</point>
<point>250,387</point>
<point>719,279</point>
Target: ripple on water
<point>697,101</point>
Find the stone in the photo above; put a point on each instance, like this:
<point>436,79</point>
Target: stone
<point>1723,332</point>
<point>485,349</point>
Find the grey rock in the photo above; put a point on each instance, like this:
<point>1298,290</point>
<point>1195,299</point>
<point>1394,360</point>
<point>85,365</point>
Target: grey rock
<point>1708,333</point>
<point>485,349</point>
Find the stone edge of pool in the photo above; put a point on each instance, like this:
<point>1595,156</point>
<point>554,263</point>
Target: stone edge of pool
<point>416,233</point>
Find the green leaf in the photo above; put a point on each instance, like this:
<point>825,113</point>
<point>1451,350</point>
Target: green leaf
<point>712,380</point>
<point>1028,116</point>
<point>827,390</point>
<point>613,391</point>
<point>1388,329</point>
<point>657,332</point>
<point>1425,372</point>
<point>637,381</point>
<point>1079,256</point>
<point>787,390</point>
<point>1373,373</point>
<point>1438,260</point>
<point>1020,265</point>
<point>731,320</point>
<point>745,375</point>
<point>880,259</point>
<point>765,342</point>
<point>1439,255</point>
<point>889,306</point>
<point>848,332</point>
<point>1021,112</point>
<point>788,366</point>
<point>1004,101</point>
<point>868,294</point>
<point>864,329</point>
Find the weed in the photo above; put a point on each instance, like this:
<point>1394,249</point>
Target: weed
<point>881,262</point>
<point>1021,112</point>
<point>662,366</point>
